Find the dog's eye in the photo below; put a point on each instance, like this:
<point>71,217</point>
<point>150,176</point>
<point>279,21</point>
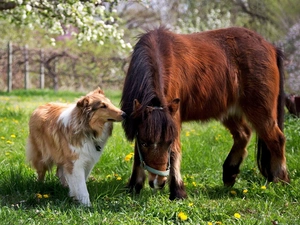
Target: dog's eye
<point>103,106</point>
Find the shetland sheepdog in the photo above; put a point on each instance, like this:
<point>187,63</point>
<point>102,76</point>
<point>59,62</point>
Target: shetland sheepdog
<point>72,137</point>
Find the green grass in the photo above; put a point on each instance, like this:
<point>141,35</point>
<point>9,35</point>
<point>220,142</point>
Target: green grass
<point>204,146</point>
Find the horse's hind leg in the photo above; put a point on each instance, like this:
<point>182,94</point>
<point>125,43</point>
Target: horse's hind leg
<point>271,152</point>
<point>271,141</point>
<point>241,134</point>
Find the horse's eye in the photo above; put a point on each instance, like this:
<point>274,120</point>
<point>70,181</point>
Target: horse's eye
<point>103,106</point>
<point>144,145</point>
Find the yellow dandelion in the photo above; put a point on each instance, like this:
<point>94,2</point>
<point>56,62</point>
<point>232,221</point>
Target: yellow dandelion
<point>108,176</point>
<point>182,216</point>
<point>129,156</point>
<point>187,133</point>
<point>233,192</point>
<point>194,183</point>
<point>119,178</point>
<point>218,222</point>
<point>245,191</point>
<point>209,223</point>
<point>116,175</point>
<point>263,187</point>
<point>191,204</point>
<point>39,195</point>
<point>2,138</point>
<point>9,142</point>
<point>13,136</point>
<point>237,215</point>
<point>45,196</point>
<point>7,153</point>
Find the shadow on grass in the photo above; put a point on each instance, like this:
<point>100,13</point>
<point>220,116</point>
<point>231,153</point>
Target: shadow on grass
<point>21,190</point>
<point>248,178</point>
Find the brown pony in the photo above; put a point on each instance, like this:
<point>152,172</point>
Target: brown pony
<point>232,75</point>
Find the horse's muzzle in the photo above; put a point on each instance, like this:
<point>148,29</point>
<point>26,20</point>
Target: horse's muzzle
<point>158,182</point>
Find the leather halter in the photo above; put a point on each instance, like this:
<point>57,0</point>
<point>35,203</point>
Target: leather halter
<point>150,169</point>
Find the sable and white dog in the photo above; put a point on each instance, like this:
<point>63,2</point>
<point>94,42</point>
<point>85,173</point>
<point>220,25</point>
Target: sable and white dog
<point>71,136</point>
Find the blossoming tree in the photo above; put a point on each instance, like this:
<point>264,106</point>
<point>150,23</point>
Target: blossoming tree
<point>89,20</point>
<point>291,45</point>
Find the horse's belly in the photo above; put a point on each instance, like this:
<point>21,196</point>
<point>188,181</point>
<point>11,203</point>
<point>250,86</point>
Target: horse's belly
<point>209,112</point>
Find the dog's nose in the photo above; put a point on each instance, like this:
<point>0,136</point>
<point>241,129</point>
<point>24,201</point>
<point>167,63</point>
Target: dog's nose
<point>124,115</point>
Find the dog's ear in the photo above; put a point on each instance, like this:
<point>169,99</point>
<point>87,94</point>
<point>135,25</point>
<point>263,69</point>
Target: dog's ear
<point>83,102</point>
<point>173,106</point>
<point>99,90</point>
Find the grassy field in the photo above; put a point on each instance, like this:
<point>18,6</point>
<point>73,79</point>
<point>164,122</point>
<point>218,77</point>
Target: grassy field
<point>205,147</point>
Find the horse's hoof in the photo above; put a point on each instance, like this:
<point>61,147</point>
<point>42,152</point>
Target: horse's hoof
<point>181,194</point>
<point>134,188</point>
<point>229,181</point>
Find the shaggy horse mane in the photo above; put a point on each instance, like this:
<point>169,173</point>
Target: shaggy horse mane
<point>146,81</point>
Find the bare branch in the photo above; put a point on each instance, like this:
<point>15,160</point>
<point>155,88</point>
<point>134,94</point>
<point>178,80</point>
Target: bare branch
<point>5,5</point>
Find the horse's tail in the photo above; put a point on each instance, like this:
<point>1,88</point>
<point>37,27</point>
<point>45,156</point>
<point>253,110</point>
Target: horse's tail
<point>263,154</point>
<point>281,97</point>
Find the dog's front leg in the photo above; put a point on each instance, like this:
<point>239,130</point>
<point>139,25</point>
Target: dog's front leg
<point>77,185</point>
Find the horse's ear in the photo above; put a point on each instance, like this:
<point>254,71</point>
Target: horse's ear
<point>99,90</point>
<point>136,105</point>
<point>173,106</point>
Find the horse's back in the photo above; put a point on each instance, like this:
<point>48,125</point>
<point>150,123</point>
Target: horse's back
<point>220,71</point>
<point>212,72</point>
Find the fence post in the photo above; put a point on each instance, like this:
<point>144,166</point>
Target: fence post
<point>42,70</point>
<point>26,80</point>
<point>55,78</point>
<point>9,67</point>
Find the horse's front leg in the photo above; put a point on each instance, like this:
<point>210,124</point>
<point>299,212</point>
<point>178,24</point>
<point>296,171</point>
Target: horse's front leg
<point>177,189</point>
<point>138,176</point>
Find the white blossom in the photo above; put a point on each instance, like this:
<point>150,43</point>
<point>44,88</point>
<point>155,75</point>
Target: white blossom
<point>28,7</point>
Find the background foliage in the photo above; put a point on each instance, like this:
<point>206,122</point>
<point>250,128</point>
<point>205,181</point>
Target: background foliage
<point>104,31</point>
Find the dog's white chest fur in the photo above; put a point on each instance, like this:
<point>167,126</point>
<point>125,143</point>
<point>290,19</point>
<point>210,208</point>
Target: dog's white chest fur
<point>88,155</point>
